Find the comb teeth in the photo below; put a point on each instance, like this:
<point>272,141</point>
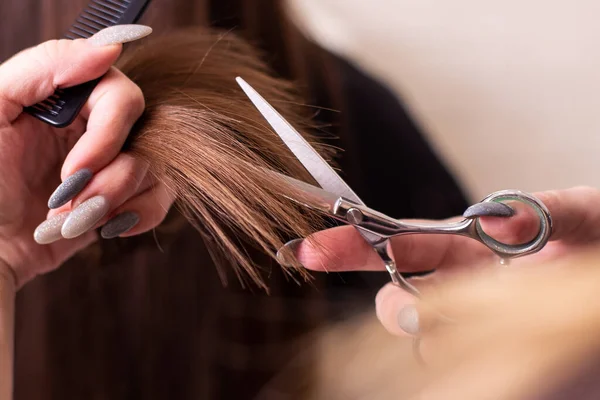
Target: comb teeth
<point>52,104</point>
<point>97,16</point>
<point>61,108</point>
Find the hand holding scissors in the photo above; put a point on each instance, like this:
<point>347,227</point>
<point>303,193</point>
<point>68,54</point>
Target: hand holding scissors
<point>336,199</point>
<point>566,218</point>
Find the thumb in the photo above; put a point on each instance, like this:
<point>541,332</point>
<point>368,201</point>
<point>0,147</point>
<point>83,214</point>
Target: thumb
<point>395,310</point>
<point>34,74</point>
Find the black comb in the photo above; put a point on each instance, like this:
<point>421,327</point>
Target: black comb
<point>63,106</point>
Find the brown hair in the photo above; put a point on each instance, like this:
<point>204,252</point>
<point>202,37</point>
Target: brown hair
<point>150,317</point>
<point>207,142</point>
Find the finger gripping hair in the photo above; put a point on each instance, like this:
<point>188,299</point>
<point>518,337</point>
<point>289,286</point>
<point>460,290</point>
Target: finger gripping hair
<point>205,140</point>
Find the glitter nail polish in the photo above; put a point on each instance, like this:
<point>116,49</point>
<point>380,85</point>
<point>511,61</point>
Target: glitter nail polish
<point>49,230</point>
<point>119,224</point>
<point>119,34</point>
<point>70,188</point>
<point>85,216</point>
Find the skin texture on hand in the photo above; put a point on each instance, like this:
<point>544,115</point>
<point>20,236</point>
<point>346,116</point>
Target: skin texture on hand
<point>576,224</point>
<point>98,179</point>
<point>33,155</point>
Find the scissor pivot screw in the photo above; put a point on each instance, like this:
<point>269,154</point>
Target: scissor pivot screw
<point>354,216</point>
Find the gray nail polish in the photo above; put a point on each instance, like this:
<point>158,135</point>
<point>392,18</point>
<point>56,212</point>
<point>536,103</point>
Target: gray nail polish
<point>70,188</point>
<point>119,34</point>
<point>408,319</point>
<point>489,209</point>
<point>292,247</point>
<point>49,230</point>
<point>85,216</point>
<point>119,225</point>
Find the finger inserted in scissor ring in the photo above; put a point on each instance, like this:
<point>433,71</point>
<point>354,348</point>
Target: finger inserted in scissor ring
<point>526,232</point>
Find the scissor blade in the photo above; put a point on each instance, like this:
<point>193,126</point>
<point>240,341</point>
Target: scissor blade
<point>322,200</point>
<point>320,170</point>
<point>309,195</point>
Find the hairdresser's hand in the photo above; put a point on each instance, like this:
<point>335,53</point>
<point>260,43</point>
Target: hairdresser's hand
<point>576,224</point>
<point>99,181</point>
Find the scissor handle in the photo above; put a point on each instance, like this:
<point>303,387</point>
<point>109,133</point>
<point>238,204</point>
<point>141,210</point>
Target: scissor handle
<point>384,227</point>
<point>517,250</point>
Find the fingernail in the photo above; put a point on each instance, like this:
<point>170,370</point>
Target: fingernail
<point>119,225</point>
<point>489,209</point>
<point>49,230</point>
<point>85,216</point>
<point>119,34</point>
<point>283,254</point>
<point>70,188</point>
<point>408,319</point>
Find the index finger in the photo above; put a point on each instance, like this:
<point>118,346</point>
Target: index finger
<point>344,249</point>
<point>575,218</point>
<point>576,221</point>
<point>111,111</point>
<point>35,73</point>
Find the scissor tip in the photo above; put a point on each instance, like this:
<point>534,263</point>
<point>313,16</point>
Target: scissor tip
<point>244,85</point>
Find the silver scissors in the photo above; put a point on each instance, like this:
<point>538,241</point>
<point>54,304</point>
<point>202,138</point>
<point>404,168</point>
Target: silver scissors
<point>339,201</point>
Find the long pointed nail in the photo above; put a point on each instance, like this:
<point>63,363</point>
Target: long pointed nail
<point>283,254</point>
<point>49,230</point>
<point>408,319</point>
<point>85,216</point>
<point>120,224</point>
<point>70,188</point>
<point>119,34</point>
<point>489,209</point>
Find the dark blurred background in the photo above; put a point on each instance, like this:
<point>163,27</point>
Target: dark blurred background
<point>131,320</point>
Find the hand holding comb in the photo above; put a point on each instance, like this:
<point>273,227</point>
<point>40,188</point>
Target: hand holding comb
<point>61,109</point>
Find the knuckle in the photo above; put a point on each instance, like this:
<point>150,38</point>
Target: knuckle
<point>51,55</point>
<point>126,175</point>
<point>154,215</point>
<point>130,92</point>
<point>132,177</point>
<point>551,197</point>
<point>586,191</point>
<point>47,52</point>
<point>45,56</point>
<point>158,216</point>
<point>137,101</point>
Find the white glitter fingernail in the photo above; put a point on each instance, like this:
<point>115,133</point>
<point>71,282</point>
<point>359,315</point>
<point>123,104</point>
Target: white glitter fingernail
<point>49,230</point>
<point>120,34</point>
<point>85,216</point>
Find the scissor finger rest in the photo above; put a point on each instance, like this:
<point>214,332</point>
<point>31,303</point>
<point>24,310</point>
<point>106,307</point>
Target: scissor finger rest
<point>518,250</point>
<point>386,227</point>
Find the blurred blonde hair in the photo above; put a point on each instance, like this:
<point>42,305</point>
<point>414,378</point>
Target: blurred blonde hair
<point>519,333</point>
